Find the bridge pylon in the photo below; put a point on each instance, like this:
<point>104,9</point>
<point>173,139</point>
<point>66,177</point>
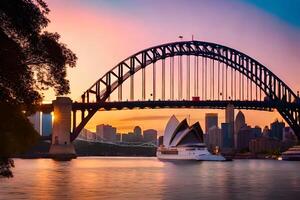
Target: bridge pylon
<point>61,146</point>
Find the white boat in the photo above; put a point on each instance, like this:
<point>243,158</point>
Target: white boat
<point>199,153</point>
<point>292,154</point>
<point>184,142</point>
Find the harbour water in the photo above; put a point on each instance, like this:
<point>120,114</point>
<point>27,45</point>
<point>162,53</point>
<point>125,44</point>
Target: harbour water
<point>149,178</point>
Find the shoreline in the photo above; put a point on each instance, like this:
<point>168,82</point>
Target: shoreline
<point>47,156</point>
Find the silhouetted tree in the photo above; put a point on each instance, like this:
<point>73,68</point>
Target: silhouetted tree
<point>31,61</point>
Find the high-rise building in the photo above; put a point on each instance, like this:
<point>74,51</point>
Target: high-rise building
<point>46,124</point>
<point>257,131</point>
<point>264,144</point>
<point>276,131</point>
<point>229,114</point>
<point>245,135</point>
<point>150,135</point>
<point>289,134</point>
<point>130,137</point>
<point>86,134</point>
<point>239,123</point>
<point>214,138</point>
<point>83,134</point>
<point>118,137</point>
<point>211,119</point>
<point>229,127</point>
<point>227,135</point>
<point>266,132</point>
<point>106,132</point>
<point>137,131</point>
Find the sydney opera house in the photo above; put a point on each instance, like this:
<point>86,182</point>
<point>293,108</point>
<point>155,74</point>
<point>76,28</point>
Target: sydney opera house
<point>181,134</point>
<point>184,142</point>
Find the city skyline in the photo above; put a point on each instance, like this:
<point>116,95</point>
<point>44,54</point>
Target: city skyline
<point>99,45</point>
<point>190,120</point>
<point>150,99</point>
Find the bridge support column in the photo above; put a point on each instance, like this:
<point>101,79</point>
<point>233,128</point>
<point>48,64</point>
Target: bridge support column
<point>61,146</point>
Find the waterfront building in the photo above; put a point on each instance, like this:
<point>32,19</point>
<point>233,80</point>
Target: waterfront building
<point>289,138</point>
<point>138,134</point>
<point>257,131</point>
<point>150,135</point>
<point>118,137</point>
<point>83,134</point>
<point>239,123</point>
<point>46,124</point>
<point>211,119</point>
<point>264,145</point>
<point>87,135</point>
<point>245,135</point>
<point>135,136</point>
<point>229,128</point>
<point>266,132</point>
<point>214,138</point>
<point>91,136</point>
<point>129,137</point>
<point>289,134</point>
<point>124,137</point>
<point>137,131</point>
<point>160,140</point>
<point>106,133</point>
<point>227,136</point>
<point>277,130</point>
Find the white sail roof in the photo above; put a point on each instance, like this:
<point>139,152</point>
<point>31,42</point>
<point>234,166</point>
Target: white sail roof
<point>179,137</point>
<point>169,130</point>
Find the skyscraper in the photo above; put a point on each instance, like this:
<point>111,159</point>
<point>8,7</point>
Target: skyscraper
<point>245,135</point>
<point>240,121</point>
<point>277,130</point>
<point>266,132</point>
<point>214,138</point>
<point>229,114</point>
<point>238,125</point>
<point>288,134</point>
<point>150,135</point>
<point>227,134</point>
<point>211,119</point>
<point>257,131</point>
<point>137,131</point>
<point>228,127</point>
<point>106,132</point>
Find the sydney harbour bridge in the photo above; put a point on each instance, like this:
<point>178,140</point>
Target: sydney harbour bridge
<point>186,74</point>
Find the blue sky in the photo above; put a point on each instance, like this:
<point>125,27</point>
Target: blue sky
<point>286,10</point>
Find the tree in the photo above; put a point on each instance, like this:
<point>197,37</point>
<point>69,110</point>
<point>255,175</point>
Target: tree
<point>32,60</point>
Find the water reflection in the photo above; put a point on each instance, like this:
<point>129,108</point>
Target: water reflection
<point>148,178</point>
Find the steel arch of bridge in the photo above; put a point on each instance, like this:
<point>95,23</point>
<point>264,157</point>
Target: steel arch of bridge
<point>273,87</point>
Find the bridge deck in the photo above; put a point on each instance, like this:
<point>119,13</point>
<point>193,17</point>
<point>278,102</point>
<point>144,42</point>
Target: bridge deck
<point>249,105</point>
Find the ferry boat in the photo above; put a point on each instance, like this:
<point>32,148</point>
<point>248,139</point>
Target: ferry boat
<point>184,142</point>
<point>292,154</point>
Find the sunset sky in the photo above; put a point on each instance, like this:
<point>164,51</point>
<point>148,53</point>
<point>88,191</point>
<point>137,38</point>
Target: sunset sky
<point>104,32</point>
